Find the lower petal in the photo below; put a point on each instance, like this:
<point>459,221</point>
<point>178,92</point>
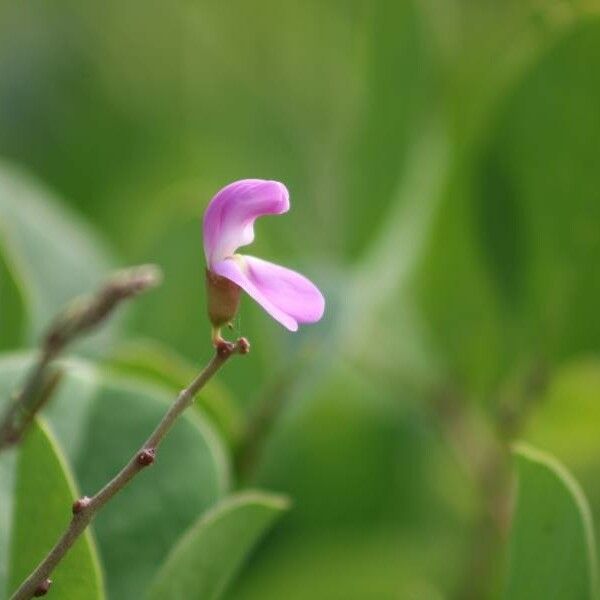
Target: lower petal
<point>287,296</point>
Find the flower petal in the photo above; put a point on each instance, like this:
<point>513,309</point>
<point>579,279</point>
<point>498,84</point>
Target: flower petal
<point>229,217</point>
<point>287,296</point>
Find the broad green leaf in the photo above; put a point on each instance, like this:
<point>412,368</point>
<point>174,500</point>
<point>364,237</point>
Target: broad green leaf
<point>44,491</point>
<point>51,255</point>
<point>212,551</point>
<point>552,549</point>
<point>100,420</point>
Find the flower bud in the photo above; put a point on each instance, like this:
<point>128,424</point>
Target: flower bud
<point>223,299</point>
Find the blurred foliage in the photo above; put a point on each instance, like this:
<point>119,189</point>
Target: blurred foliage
<point>212,551</point>
<point>551,512</point>
<point>41,466</point>
<point>441,157</point>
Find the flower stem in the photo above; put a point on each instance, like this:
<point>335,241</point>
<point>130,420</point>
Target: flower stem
<point>85,509</point>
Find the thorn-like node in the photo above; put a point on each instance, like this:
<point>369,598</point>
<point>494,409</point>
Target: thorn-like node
<point>80,504</point>
<point>43,588</point>
<point>243,345</point>
<point>146,457</point>
<point>224,348</point>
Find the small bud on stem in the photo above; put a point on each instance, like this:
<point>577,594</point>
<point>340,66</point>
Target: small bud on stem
<point>43,588</point>
<point>80,504</point>
<point>243,346</point>
<point>146,457</point>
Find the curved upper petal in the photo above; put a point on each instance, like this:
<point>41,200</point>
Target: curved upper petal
<point>229,217</point>
<point>287,296</point>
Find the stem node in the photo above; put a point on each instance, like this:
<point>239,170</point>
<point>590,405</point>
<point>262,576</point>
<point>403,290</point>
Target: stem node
<point>80,504</point>
<point>43,588</point>
<point>146,457</point>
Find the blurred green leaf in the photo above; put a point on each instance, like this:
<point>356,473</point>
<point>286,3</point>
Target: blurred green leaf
<point>394,109</point>
<point>43,493</point>
<point>565,418</point>
<point>565,421</point>
<point>51,255</point>
<point>354,454</point>
<point>153,361</point>
<point>101,420</point>
<point>378,564</point>
<point>536,199</point>
<point>552,548</point>
<point>210,554</point>
<point>178,251</point>
<point>510,270</point>
<point>12,313</point>
<point>378,303</point>
<point>456,298</point>
<point>7,482</point>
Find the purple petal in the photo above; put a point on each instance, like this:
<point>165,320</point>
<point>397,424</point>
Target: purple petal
<point>229,218</point>
<point>287,296</point>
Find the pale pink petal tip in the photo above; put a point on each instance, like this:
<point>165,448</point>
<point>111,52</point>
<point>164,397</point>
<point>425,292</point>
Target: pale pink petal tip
<point>230,215</point>
<point>287,296</point>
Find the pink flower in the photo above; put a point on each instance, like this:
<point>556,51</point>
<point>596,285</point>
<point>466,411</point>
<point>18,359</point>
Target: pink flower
<point>287,296</point>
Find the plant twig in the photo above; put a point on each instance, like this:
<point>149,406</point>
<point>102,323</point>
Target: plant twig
<point>85,509</point>
<point>79,318</point>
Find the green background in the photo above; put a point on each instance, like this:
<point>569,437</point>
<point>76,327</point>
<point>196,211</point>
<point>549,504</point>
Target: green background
<point>443,162</point>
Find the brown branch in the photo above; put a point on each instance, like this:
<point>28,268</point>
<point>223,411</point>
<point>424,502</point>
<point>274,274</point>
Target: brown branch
<point>85,509</point>
<point>80,317</point>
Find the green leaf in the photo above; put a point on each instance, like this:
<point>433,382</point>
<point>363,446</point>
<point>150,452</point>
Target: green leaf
<point>101,420</point>
<point>43,493</point>
<point>211,553</point>
<point>536,198</point>
<point>7,481</point>
<point>395,109</point>
<point>380,282</point>
<point>12,313</point>
<point>552,551</point>
<point>510,271</point>
<point>156,362</point>
<point>567,415</point>
<point>51,255</point>
<point>383,563</point>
